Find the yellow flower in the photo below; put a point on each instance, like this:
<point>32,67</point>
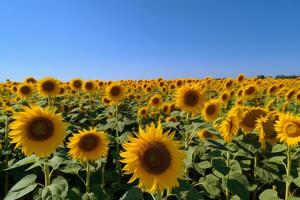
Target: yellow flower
<point>48,86</point>
<point>204,134</point>
<point>37,131</point>
<point>288,129</point>
<point>88,145</point>
<point>154,158</point>
<point>190,98</point>
<point>211,110</point>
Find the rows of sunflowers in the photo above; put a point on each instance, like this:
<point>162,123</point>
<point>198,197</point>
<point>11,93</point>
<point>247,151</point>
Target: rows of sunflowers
<point>229,138</point>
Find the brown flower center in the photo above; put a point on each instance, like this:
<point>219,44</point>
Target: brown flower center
<point>48,86</point>
<point>156,158</point>
<point>77,84</point>
<point>25,89</point>
<point>292,129</point>
<point>88,142</point>
<point>89,85</point>
<point>250,90</point>
<point>211,109</point>
<point>115,91</point>
<point>191,98</point>
<point>40,129</point>
<point>155,101</point>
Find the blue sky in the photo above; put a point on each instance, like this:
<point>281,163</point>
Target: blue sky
<point>143,39</point>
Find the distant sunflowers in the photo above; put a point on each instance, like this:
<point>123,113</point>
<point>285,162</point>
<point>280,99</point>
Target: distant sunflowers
<point>48,86</point>
<point>25,90</point>
<point>37,131</point>
<point>190,98</point>
<point>204,134</point>
<point>115,92</point>
<point>211,110</point>
<point>76,84</point>
<point>154,158</point>
<point>88,145</point>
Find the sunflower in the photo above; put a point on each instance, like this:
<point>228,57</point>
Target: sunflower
<point>37,131</point>
<point>155,100</point>
<point>288,129</point>
<point>166,108</point>
<point>48,86</point>
<point>266,128</point>
<point>89,86</point>
<point>30,80</point>
<point>190,98</point>
<point>115,92</point>
<point>88,145</point>
<point>250,91</point>
<point>248,121</point>
<point>204,134</point>
<point>225,97</point>
<point>154,158</point>
<point>240,78</point>
<point>76,84</point>
<point>229,127</point>
<point>25,90</point>
<point>143,111</point>
<point>211,110</point>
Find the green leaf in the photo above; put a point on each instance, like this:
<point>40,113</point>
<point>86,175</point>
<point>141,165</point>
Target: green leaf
<point>23,187</point>
<point>277,159</point>
<point>25,161</point>
<point>211,185</point>
<point>238,188</point>
<point>56,161</point>
<point>133,194</point>
<point>269,194</point>
<point>57,190</point>
<point>204,165</point>
<point>220,166</point>
<point>278,148</point>
<point>71,168</point>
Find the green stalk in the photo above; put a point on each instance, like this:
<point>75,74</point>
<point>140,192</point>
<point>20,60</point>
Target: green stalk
<point>117,141</point>
<point>6,179</point>
<point>227,176</point>
<point>46,175</point>
<point>288,173</point>
<point>158,194</point>
<point>187,133</point>
<point>88,178</point>
<point>102,175</point>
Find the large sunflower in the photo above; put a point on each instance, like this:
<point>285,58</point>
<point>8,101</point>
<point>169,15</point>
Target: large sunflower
<point>288,129</point>
<point>25,90</point>
<point>37,131</point>
<point>229,127</point>
<point>248,121</point>
<point>154,158</point>
<point>88,145</point>
<point>115,92</point>
<point>48,86</point>
<point>266,128</point>
<point>190,98</point>
<point>211,110</point>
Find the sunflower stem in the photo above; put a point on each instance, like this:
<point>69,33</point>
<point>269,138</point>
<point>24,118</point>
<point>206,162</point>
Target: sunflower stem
<point>102,175</point>
<point>88,178</point>
<point>227,176</point>
<point>46,175</point>
<point>158,194</point>
<point>117,141</point>
<point>6,179</point>
<point>187,133</point>
<point>288,173</point>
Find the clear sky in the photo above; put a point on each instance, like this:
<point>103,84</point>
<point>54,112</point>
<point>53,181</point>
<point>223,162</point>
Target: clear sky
<point>143,39</point>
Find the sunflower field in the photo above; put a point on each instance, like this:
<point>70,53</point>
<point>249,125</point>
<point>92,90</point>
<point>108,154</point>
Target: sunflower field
<point>228,138</point>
